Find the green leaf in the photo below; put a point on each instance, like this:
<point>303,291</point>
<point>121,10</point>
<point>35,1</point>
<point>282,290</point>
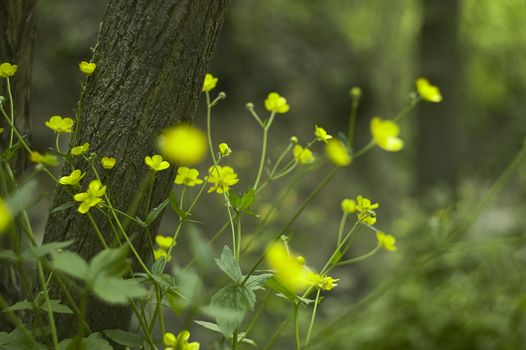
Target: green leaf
<point>8,255</point>
<point>109,262</point>
<point>173,203</point>
<point>22,198</point>
<point>190,286</point>
<point>21,305</point>
<point>155,212</point>
<point>124,338</point>
<point>247,199</point>
<point>229,306</point>
<point>62,207</point>
<point>93,342</point>
<point>57,307</point>
<point>115,290</point>
<point>36,252</point>
<point>158,267</point>
<point>71,264</point>
<point>256,282</point>
<point>234,199</point>
<point>200,247</point>
<point>228,263</point>
<point>209,325</point>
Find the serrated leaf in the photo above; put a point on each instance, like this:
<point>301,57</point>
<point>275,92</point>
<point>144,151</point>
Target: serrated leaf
<point>93,342</point>
<point>23,197</point>
<point>173,204</point>
<point>115,290</point>
<point>229,265</point>
<point>62,207</point>
<point>36,252</point>
<point>209,325</point>
<point>109,262</point>
<point>233,199</point>
<point>155,212</point>
<point>190,286</point>
<point>57,307</point>
<point>21,305</point>
<point>247,199</point>
<point>230,305</point>
<point>124,338</point>
<point>256,282</point>
<point>71,264</point>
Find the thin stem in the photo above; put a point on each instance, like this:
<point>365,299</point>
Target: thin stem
<point>341,227</point>
<point>234,340</point>
<point>316,301</point>
<point>231,219</point>
<point>57,143</point>
<point>159,308</point>
<point>11,111</point>
<point>11,316</point>
<point>238,239</point>
<point>276,334</point>
<point>360,258</point>
<point>296,327</point>
<point>352,119</point>
<point>258,313</point>
<point>97,231</point>
<point>263,150</point>
<point>51,318</point>
<point>208,126</point>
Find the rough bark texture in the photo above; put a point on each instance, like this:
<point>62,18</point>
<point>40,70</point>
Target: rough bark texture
<point>151,59</point>
<point>17,33</point>
<point>438,123</point>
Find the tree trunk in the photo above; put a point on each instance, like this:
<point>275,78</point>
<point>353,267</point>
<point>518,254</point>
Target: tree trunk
<point>17,33</point>
<point>438,147</point>
<point>151,59</point>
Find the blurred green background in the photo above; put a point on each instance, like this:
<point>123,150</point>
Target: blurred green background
<point>446,287</point>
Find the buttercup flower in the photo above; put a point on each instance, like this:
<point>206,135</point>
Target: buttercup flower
<point>183,144</point>
<point>91,197</point>
<point>60,125</point>
<point>171,342</point>
<point>5,215</point>
<point>48,158</point>
<point>337,153</point>
<point>385,134</point>
<point>87,67</point>
<point>366,209</point>
<point>80,150</point>
<point>188,177</point>
<point>224,149</point>
<point>222,177</point>
<point>156,162</point>
<point>427,91</point>
<point>386,241</point>
<point>276,103</point>
<point>348,206</point>
<point>164,241</point>
<point>323,282</point>
<point>108,162</point>
<point>73,178</point>
<point>7,70</point>
<point>210,82</point>
<point>159,253</point>
<point>288,270</point>
<point>321,134</point>
<point>302,155</point>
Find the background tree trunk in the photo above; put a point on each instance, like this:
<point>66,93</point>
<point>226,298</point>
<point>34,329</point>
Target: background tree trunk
<point>17,34</point>
<point>437,158</point>
<point>151,59</point>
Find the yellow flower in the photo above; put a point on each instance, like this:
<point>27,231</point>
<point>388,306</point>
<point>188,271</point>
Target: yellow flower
<point>288,270</point>
<point>164,241</point>
<point>276,103</point>
<point>302,155</point>
<point>224,149</point>
<point>348,206</point>
<point>7,70</point>
<point>321,134</point>
<point>80,150</point>
<point>183,144</point>
<point>180,342</point>
<point>210,82</point>
<point>87,67</point>
<point>91,197</point>
<point>385,134</point>
<point>156,162</point>
<point>338,153</point>
<point>365,210</point>
<point>188,177</point>
<point>159,253</point>
<point>48,158</point>
<point>386,241</point>
<point>60,125</point>
<point>427,91</point>
<point>108,162</point>
<point>5,215</point>
<point>73,178</point>
<point>322,281</point>
<point>222,177</point>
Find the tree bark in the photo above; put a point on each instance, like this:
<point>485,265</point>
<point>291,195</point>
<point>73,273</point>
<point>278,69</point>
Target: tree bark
<point>438,147</point>
<point>151,59</point>
<point>17,33</point>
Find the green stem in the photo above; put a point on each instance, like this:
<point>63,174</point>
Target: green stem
<point>11,316</point>
<point>51,318</point>
<point>277,333</point>
<point>263,150</point>
<point>258,313</point>
<point>57,143</point>
<point>341,227</point>
<point>316,301</point>
<point>234,340</point>
<point>97,231</point>
<point>360,258</point>
<point>296,326</point>
<point>352,119</point>
<point>231,219</point>
<point>11,112</point>
<point>208,126</point>
<point>159,308</point>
